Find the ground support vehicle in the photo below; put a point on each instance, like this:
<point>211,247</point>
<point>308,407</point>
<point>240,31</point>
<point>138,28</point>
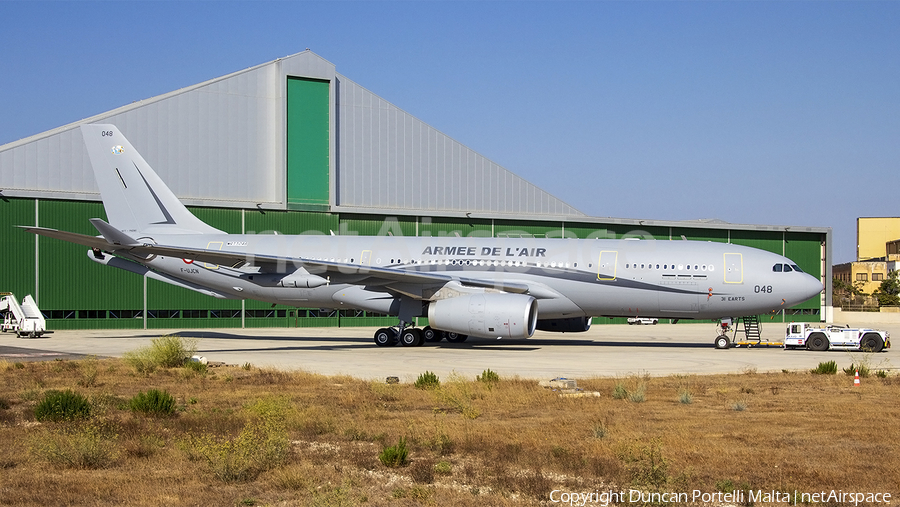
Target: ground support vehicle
<point>643,320</point>
<point>831,337</point>
<point>24,319</point>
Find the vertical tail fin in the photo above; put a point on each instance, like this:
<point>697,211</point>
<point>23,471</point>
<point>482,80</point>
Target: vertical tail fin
<point>135,198</point>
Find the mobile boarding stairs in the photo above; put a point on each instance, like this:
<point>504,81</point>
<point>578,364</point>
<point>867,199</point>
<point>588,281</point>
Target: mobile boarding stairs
<point>25,318</point>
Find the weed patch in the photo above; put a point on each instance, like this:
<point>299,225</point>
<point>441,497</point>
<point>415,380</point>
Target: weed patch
<point>92,445</point>
<point>261,445</point>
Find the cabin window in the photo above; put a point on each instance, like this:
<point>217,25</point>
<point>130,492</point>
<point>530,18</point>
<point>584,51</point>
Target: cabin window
<point>777,268</point>
<point>796,268</point>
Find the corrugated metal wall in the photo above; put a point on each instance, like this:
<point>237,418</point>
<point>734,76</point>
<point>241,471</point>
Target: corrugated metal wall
<point>388,159</point>
<point>217,143</point>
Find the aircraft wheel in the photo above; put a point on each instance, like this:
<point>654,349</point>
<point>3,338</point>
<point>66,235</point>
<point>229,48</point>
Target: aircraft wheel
<point>432,335</point>
<point>456,337</point>
<point>871,342</point>
<point>722,342</point>
<point>385,337</point>
<point>817,342</point>
<point>412,338</point>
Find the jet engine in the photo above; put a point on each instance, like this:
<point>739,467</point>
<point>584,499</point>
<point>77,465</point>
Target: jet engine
<point>486,315</point>
<point>572,325</point>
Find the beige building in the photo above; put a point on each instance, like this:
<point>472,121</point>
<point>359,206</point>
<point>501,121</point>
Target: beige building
<point>877,253</point>
<point>873,233</point>
<point>870,273</point>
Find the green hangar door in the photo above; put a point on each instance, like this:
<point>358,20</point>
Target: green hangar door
<point>307,143</point>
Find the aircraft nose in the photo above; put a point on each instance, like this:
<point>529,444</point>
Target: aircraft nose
<point>811,286</point>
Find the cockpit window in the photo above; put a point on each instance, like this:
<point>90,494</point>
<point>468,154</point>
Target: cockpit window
<point>786,268</point>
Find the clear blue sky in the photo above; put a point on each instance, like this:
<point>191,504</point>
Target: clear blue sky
<point>751,112</point>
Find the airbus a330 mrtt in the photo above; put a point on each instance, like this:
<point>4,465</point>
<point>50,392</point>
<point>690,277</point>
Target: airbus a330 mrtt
<point>484,287</point>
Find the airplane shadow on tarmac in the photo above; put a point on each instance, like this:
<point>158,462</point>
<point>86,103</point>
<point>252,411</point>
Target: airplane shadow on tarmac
<point>472,344</point>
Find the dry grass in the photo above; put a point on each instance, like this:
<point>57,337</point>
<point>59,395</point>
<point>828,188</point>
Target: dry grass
<point>471,443</point>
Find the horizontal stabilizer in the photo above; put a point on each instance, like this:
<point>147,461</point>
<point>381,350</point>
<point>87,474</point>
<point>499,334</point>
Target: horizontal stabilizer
<point>113,235</point>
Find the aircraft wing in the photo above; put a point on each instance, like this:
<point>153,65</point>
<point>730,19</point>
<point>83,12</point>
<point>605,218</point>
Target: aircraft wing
<point>361,274</point>
<point>389,275</point>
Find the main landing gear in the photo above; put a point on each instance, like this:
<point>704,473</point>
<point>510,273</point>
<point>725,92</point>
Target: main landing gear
<point>412,337</point>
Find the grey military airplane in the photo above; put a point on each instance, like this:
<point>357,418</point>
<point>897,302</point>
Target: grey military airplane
<point>482,287</point>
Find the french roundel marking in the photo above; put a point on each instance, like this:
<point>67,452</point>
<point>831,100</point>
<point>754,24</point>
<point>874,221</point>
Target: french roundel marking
<point>188,261</point>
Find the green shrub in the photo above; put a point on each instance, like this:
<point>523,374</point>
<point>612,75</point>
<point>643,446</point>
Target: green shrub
<point>163,352</point>
<point>428,380</point>
<point>62,406</point>
<point>826,368</point>
<point>685,397</point>
<point>620,392</point>
<point>881,374</point>
<point>395,455</point>
<point>488,377</point>
<point>154,402</point>
<point>862,368</point>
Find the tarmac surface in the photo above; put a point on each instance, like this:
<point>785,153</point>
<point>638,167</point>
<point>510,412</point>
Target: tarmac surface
<point>603,351</point>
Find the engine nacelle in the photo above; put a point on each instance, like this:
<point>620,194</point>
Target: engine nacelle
<point>572,325</point>
<point>486,315</point>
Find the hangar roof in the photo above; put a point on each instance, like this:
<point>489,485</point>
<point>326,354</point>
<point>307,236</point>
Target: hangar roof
<point>222,143</point>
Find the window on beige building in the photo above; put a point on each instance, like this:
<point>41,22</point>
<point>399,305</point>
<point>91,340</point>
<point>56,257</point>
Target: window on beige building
<point>862,277</point>
<point>877,277</point>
